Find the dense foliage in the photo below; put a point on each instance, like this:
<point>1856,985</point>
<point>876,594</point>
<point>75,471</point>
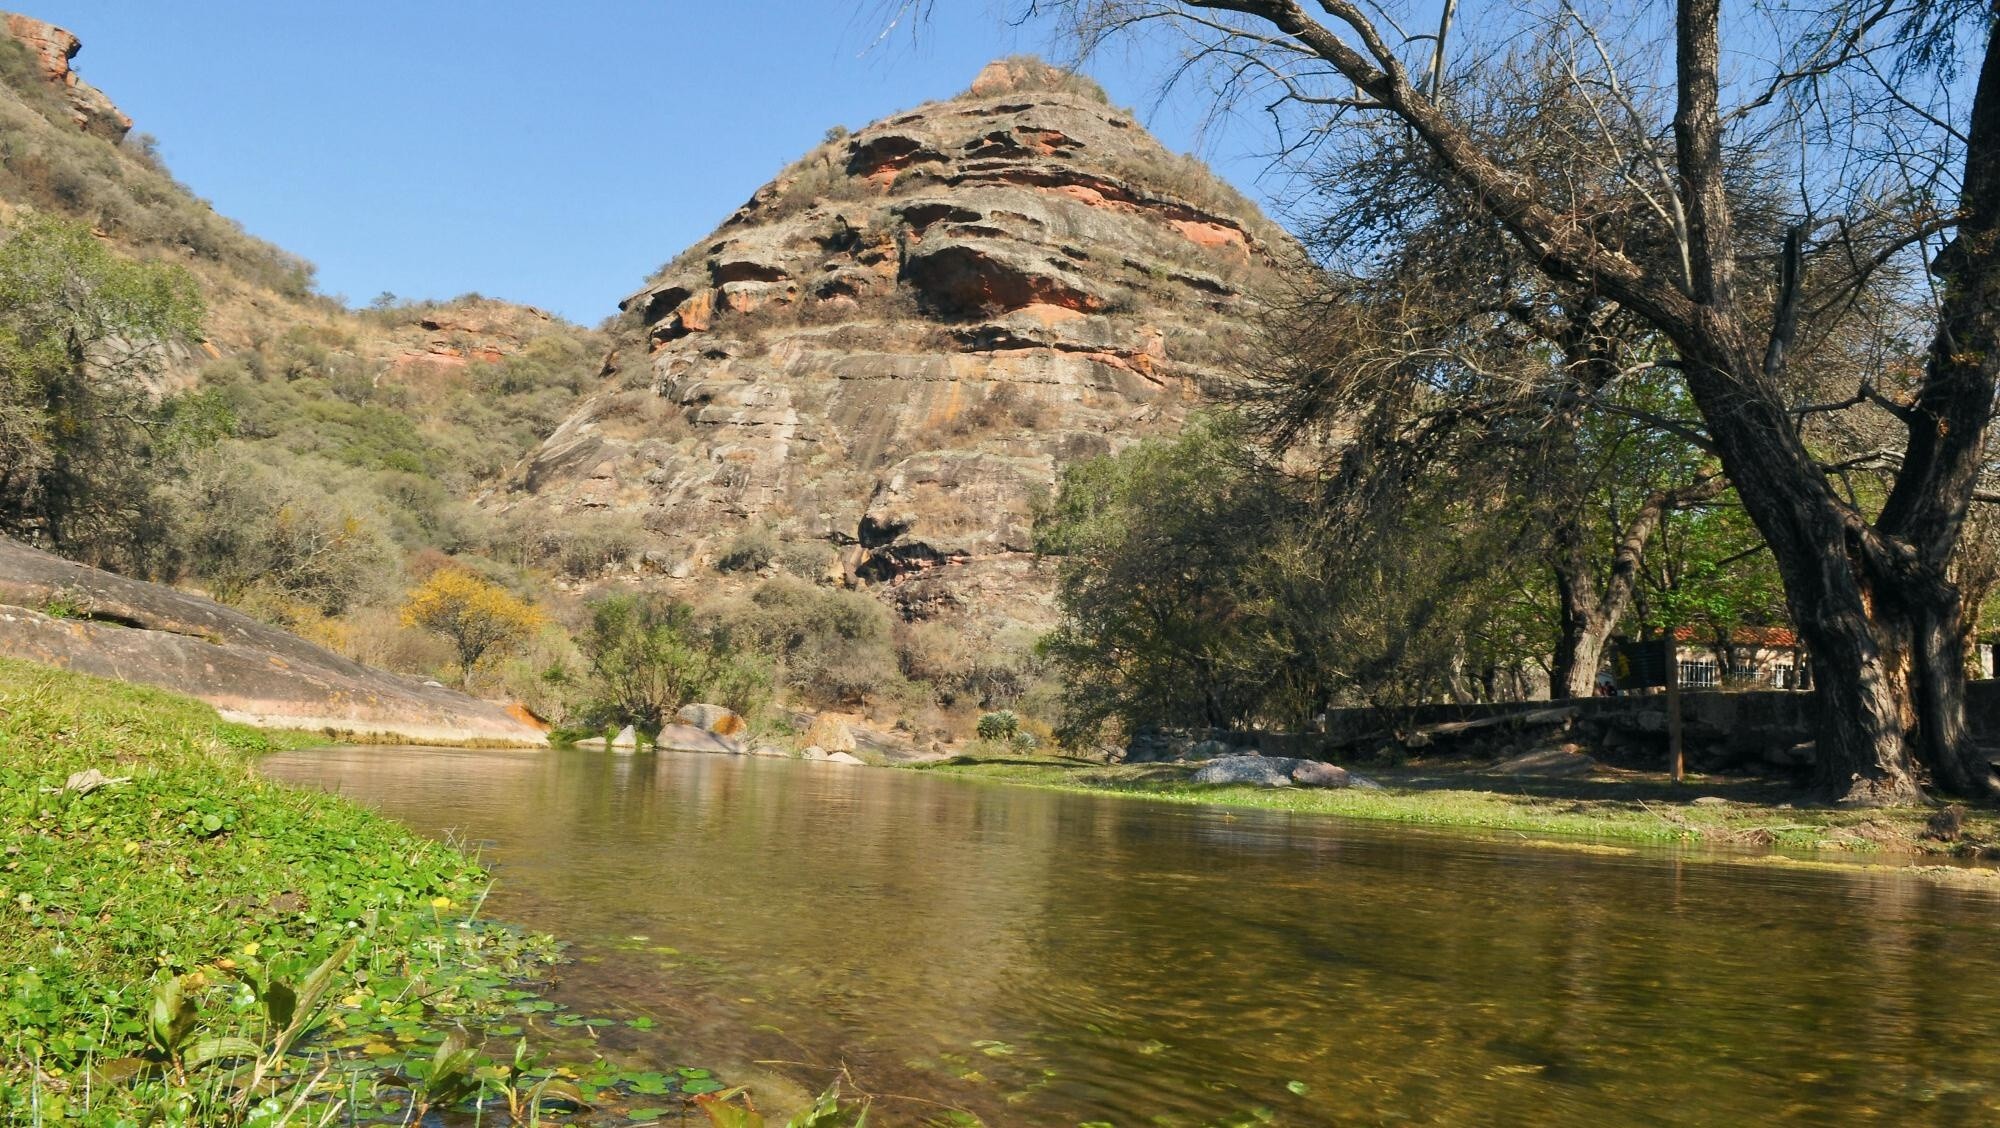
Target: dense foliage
<point>84,439</point>
<point>648,656</point>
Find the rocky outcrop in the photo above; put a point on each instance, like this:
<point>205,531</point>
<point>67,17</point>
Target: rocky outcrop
<point>64,614</point>
<point>895,347</point>
<point>466,332</point>
<point>1277,771</point>
<point>53,48</point>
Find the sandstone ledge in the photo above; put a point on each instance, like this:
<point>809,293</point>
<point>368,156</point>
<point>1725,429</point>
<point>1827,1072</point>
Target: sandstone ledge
<point>252,673</point>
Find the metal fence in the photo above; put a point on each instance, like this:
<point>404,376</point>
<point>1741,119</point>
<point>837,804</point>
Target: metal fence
<point>1709,675</point>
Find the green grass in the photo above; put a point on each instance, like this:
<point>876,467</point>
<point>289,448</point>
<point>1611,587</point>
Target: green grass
<point>1632,808</point>
<point>192,878</point>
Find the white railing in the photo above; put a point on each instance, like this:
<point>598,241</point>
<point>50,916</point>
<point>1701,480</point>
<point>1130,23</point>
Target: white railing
<point>1700,675</point>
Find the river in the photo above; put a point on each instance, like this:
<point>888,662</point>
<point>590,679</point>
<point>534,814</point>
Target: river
<point>1039,958</point>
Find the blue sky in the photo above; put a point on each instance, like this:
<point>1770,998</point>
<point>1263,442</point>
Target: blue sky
<point>551,154</point>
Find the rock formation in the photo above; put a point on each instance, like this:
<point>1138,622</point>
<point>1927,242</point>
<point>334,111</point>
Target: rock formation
<point>140,632</point>
<point>53,49</point>
<point>892,349</point>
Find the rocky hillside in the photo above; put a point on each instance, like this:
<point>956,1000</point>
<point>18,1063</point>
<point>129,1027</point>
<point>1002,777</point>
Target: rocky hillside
<point>70,151</point>
<point>880,362</point>
<point>334,452</point>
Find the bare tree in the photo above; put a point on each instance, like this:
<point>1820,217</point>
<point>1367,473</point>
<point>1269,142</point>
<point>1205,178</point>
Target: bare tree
<point>1869,588</point>
<point>1449,349</point>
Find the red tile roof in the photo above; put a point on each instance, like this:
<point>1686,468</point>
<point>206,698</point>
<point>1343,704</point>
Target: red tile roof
<point>1770,638</point>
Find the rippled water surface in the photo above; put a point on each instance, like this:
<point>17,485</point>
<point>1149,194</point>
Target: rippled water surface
<point>1040,958</point>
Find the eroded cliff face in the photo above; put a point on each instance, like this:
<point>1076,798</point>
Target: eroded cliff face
<point>893,349</point>
<point>53,49</point>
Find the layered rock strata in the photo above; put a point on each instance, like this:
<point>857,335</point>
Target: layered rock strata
<point>889,353</point>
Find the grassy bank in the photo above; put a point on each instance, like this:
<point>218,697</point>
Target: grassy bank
<point>1620,807</point>
<point>183,942</point>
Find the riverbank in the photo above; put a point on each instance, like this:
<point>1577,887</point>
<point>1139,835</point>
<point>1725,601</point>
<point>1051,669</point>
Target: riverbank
<point>181,938</point>
<point>1604,807</point>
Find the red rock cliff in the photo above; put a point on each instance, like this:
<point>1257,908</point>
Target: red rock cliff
<point>54,48</point>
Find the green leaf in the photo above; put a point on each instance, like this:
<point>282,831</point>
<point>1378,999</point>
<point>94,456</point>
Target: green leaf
<point>212,1049</point>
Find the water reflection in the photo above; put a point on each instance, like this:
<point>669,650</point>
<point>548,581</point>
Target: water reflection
<point>1040,958</point>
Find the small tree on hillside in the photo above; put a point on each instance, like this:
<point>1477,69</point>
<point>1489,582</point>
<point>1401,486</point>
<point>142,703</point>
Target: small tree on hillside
<point>478,617</point>
<point>84,437</point>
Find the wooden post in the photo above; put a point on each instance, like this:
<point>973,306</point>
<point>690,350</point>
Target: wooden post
<point>1674,706</point>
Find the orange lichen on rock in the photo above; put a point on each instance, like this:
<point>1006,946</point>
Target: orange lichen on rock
<point>1209,234</point>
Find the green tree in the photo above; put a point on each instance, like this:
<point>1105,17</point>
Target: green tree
<point>1204,587</point>
<point>1898,159</point>
<point>1156,545</point>
<point>84,436</point>
<point>649,656</point>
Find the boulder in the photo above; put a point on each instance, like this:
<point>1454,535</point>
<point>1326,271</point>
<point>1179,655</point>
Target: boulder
<point>1255,771</point>
<point>813,752</point>
<point>714,718</point>
<point>1314,773</point>
<point>844,758</point>
<point>53,49</point>
<point>626,740</point>
<point>688,738</point>
<point>1208,750</point>
<point>830,734</point>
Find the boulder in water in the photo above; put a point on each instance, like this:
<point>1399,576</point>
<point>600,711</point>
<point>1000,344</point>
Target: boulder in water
<point>688,738</point>
<point>715,718</point>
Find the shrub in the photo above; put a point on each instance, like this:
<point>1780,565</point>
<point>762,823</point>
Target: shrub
<point>808,560</point>
<point>1001,725</point>
<point>256,533</point>
<point>590,542</point>
<point>752,549</point>
<point>833,646</point>
<point>648,657</point>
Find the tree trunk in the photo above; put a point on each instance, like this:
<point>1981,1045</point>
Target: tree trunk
<point>1583,631</point>
<point>1587,616</point>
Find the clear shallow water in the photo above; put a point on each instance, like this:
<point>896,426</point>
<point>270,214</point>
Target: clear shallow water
<point>1040,958</point>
